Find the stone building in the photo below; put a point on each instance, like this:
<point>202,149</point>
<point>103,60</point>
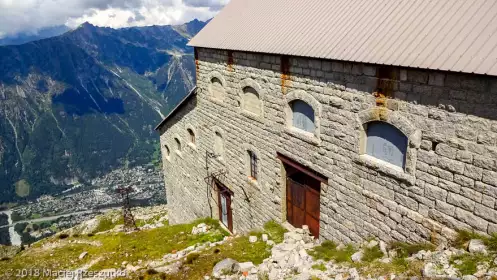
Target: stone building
<point>329,115</point>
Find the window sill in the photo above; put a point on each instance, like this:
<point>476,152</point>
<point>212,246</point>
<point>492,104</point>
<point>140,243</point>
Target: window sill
<point>193,146</point>
<point>216,100</point>
<point>253,182</point>
<point>179,154</point>
<point>386,168</point>
<point>303,135</point>
<point>252,116</point>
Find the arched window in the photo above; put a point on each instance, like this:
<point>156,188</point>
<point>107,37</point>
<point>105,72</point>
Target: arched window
<point>251,101</point>
<point>253,164</point>
<point>178,144</point>
<point>218,144</point>
<point>217,88</point>
<point>302,116</point>
<point>385,142</point>
<point>167,151</point>
<point>191,134</point>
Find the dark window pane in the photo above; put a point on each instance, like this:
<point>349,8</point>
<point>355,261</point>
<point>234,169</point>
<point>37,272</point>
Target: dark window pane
<point>387,143</point>
<point>303,116</point>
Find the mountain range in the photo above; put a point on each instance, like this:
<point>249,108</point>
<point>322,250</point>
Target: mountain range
<point>78,105</point>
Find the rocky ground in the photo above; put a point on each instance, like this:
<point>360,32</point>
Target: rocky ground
<point>204,250</point>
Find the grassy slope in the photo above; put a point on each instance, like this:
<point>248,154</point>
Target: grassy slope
<point>63,254</point>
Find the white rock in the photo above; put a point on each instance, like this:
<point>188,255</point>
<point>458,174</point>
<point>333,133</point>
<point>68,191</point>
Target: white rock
<point>353,274</point>
<point>243,267</point>
<point>226,265</point>
<point>265,237</point>
<point>253,239</point>
<point>383,248</point>
<point>270,243</point>
<point>82,255</point>
<point>469,277</point>
<point>386,260</point>
<point>357,256</point>
<point>477,246</point>
<point>372,243</point>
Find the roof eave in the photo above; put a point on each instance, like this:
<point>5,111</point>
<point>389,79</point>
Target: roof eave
<point>173,111</point>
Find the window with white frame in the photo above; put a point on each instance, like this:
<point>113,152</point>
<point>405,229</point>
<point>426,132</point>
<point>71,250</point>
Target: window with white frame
<point>386,143</point>
<point>302,116</point>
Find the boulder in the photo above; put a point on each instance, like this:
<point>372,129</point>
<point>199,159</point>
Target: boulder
<point>477,246</point>
<point>224,266</point>
<point>469,277</point>
<point>253,239</point>
<point>243,267</point>
<point>383,248</point>
<point>372,243</point>
<point>357,256</point>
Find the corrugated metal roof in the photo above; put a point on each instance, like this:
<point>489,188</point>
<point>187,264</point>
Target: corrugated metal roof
<point>453,35</point>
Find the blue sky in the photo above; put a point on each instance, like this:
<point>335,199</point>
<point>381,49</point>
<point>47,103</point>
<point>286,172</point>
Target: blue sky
<point>31,15</point>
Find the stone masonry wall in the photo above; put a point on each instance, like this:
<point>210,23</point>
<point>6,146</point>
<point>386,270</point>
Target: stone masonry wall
<point>450,119</point>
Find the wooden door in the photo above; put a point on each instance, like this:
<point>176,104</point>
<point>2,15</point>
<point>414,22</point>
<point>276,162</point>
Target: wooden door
<point>224,203</point>
<point>303,206</point>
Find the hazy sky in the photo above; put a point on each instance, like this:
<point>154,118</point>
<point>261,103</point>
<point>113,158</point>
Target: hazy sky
<point>30,15</point>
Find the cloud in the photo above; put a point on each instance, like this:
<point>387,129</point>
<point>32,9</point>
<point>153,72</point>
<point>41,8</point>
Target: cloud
<point>31,15</point>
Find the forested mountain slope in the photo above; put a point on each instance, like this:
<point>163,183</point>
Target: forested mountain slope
<point>78,105</point>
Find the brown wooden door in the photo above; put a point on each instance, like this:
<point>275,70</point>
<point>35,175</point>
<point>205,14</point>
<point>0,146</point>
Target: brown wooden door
<point>303,206</point>
<point>224,203</point>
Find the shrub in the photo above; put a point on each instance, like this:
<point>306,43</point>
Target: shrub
<point>275,231</point>
<point>327,251</point>
<point>464,236</point>
<point>320,266</point>
<point>405,250</point>
<point>63,236</point>
<point>371,254</point>
<point>191,258</point>
<point>152,271</point>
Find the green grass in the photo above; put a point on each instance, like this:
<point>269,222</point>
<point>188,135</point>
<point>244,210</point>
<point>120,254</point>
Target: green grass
<point>405,250</point>
<point>239,249</point>
<point>116,248</point>
<point>106,223</point>
<point>463,238</point>
<point>397,266</point>
<point>320,266</point>
<point>371,254</point>
<point>469,262</point>
<point>275,231</point>
<point>327,251</point>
